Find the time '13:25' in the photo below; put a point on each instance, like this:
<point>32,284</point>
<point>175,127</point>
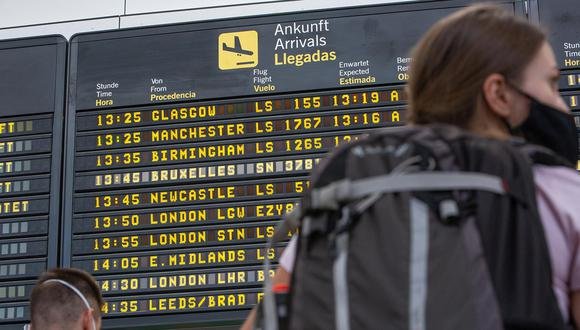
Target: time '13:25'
<point>124,138</point>
<point>111,119</point>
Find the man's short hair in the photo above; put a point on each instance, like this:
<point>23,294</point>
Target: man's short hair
<point>53,304</point>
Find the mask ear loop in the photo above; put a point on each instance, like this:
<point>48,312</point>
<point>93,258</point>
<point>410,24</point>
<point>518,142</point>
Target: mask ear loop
<point>515,131</point>
<point>78,293</point>
<point>516,88</point>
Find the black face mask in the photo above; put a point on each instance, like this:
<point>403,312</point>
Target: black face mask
<point>550,128</point>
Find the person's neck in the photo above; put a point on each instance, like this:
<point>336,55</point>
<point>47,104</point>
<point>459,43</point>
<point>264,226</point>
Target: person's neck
<point>490,132</point>
<point>489,126</point>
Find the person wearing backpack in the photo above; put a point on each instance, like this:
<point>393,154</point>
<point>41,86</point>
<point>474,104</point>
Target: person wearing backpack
<point>484,71</point>
<point>495,75</point>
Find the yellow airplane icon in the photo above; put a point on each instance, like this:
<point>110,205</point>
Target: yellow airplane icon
<point>238,50</point>
<point>237,47</point>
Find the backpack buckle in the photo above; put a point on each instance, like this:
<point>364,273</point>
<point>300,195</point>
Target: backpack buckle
<point>449,211</point>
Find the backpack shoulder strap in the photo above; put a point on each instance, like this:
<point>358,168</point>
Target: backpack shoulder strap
<point>344,191</point>
<point>539,155</point>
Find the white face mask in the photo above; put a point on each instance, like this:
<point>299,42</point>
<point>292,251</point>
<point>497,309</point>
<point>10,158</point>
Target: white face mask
<point>77,292</point>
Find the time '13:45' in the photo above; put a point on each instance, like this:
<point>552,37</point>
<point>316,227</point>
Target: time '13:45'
<point>108,201</point>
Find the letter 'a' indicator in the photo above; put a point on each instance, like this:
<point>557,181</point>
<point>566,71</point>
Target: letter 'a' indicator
<point>238,50</point>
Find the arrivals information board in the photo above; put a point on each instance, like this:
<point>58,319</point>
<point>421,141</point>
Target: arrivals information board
<point>183,145</point>
<point>187,144</point>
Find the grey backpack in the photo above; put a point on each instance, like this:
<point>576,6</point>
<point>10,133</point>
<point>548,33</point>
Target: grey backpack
<point>421,228</point>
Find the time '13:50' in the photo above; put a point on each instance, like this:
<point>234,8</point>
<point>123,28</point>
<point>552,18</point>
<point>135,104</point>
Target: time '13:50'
<point>132,220</point>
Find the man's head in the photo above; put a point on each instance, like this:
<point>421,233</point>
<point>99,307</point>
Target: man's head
<point>59,301</point>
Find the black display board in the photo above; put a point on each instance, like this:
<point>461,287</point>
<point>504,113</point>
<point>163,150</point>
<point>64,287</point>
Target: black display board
<point>32,84</point>
<point>186,144</point>
<point>562,20</point>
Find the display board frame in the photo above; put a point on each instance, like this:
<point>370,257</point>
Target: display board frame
<point>54,182</point>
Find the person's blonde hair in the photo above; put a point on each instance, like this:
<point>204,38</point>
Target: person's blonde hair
<point>453,59</point>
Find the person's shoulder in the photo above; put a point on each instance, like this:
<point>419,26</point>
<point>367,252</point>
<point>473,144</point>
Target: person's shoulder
<point>558,177</point>
<point>561,185</point>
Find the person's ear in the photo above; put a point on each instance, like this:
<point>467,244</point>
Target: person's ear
<point>88,319</point>
<point>497,95</point>
<point>98,323</point>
